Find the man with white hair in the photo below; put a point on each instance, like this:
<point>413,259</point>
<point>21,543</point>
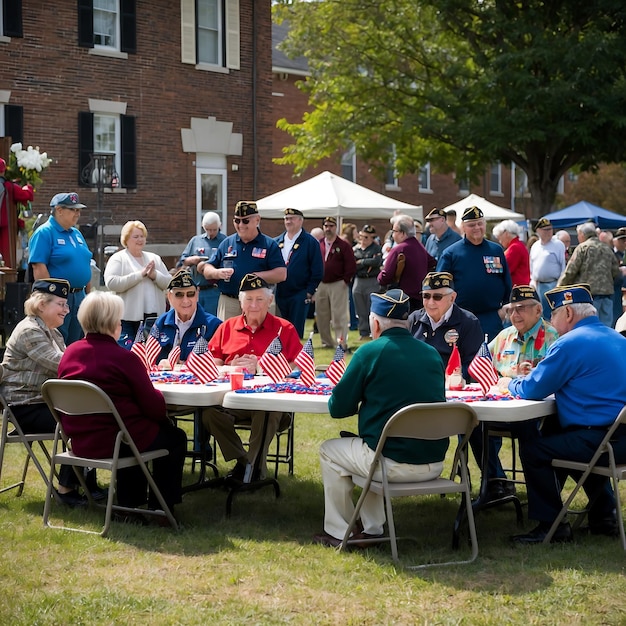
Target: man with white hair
<point>547,262</point>
<point>585,369</point>
<point>594,264</point>
<point>200,248</point>
<point>507,233</point>
<point>240,341</point>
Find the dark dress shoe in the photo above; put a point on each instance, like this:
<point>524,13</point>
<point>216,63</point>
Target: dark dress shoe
<point>324,539</point>
<point>365,540</point>
<point>563,534</point>
<point>99,494</point>
<point>72,498</point>
<point>499,489</point>
<point>606,526</point>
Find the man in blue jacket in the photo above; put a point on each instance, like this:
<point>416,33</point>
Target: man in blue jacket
<point>305,268</point>
<point>585,369</point>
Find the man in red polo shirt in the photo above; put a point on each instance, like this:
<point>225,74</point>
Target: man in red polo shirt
<point>241,341</point>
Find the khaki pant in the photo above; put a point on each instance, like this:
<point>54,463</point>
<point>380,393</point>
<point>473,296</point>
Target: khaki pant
<point>331,307</point>
<point>228,307</point>
<point>220,422</point>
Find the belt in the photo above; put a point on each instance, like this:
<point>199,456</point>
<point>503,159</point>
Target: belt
<point>203,287</point>
<point>230,295</point>
<point>76,289</point>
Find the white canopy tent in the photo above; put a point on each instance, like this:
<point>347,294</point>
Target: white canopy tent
<point>329,194</point>
<point>492,211</point>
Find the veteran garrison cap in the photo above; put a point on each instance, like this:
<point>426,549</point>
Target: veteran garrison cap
<point>55,286</point>
<point>370,230</point>
<point>543,222</point>
<point>569,294</point>
<point>472,213</point>
<point>181,280</point>
<point>250,282</point>
<point>291,211</point>
<point>246,208</point>
<point>331,218</point>
<point>620,233</point>
<point>393,304</point>
<point>68,199</point>
<point>437,280</point>
<point>523,292</point>
<point>435,213</point>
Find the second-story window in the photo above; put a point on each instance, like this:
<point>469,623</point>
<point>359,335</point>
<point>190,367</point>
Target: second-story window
<point>424,177</point>
<point>210,48</point>
<point>105,23</point>
<point>495,179</point>
<point>348,164</point>
<point>107,26</point>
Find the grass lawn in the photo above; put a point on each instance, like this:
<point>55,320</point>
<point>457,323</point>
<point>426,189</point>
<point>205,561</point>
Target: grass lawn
<point>260,567</point>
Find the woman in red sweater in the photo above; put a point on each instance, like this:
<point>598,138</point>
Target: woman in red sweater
<point>100,360</point>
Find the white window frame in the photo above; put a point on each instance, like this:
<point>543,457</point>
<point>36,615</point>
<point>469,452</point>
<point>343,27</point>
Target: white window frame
<point>222,210</point>
<point>391,174</point>
<point>219,61</point>
<point>229,32</point>
<point>424,171</point>
<point>495,175</point>
<point>118,34</point>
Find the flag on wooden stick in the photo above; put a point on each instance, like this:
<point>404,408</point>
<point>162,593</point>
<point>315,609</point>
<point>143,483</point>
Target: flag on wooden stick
<point>201,363</point>
<point>273,361</point>
<point>482,370</point>
<point>306,362</point>
<point>335,370</point>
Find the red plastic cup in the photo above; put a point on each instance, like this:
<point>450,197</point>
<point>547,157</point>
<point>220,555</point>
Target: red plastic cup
<point>236,380</point>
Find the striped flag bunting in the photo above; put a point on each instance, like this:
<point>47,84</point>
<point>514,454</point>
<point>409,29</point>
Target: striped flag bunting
<point>306,362</point>
<point>201,363</point>
<point>482,370</point>
<point>335,370</point>
<point>273,361</point>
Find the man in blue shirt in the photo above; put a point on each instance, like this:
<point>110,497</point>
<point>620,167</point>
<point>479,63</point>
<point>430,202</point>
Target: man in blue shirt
<point>441,235</point>
<point>248,251</point>
<point>302,255</point>
<point>57,249</point>
<point>585,369</point>
<point>201,248</point>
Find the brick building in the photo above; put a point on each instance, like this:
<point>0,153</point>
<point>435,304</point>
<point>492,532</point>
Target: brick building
<point>178,91</point>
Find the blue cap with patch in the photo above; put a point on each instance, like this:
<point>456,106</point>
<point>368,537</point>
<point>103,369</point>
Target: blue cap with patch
<point>569,294</point>
<point>68,199</point>
<point>393,304</point>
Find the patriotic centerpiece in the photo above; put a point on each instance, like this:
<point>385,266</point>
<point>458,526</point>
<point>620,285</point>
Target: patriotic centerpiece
<point>335,370</point>
<point>201,362</point>
<point>306,362</point>
<point>273,361</point>
<point>482,370</point>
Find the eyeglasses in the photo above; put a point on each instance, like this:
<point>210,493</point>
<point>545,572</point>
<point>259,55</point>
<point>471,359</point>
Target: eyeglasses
<point>437,297</point>
<point>239,220</point>
<point>184,294</point>
<point>72,208</point>
<point>63,305</point>
<point>520,308</point>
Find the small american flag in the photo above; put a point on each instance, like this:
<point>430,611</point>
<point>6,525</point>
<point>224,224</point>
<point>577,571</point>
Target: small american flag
<point>201,362</point>
<point>139,347</point>
<point>481,369</point>
<point>153,347</point>
<point>274,363</point>
<point>174,356</point>
<point>335,370</point>
<point>306,362</point>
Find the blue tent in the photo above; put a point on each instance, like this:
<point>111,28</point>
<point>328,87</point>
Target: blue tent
<point>583,211</point>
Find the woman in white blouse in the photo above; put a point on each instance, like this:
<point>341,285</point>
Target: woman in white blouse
<point>139,278</point>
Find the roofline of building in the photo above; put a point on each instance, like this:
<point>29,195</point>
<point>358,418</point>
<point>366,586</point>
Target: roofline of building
<point>276,69</point>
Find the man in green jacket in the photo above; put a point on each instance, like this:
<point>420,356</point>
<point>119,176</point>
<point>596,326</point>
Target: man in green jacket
<point>386,375</point>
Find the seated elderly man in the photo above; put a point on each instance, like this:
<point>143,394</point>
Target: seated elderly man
<point>240,341</point>
<point>518,348</point>
<point>383,376</point>
<point>186,320</point>
<point>585,369</point>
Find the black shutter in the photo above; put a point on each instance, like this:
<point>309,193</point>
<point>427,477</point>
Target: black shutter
<point>129,152</point>
<point>128,21</point>
<point>12,17</point>
<point>14,122</point>
<point>85,142</point>
<point>85,23</point>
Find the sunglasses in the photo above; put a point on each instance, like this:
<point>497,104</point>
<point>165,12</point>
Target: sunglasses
<point>435,296</point>
<point>239,220</point>
<point>184,294</point>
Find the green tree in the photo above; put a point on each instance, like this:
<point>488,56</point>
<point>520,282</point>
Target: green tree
<point>605,187</point>
<point>462,83</point>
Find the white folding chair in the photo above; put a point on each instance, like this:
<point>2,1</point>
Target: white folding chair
<point>428,421</point>
<point>612,471</point>
<point>17,435</point>
<point>82,398</point>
